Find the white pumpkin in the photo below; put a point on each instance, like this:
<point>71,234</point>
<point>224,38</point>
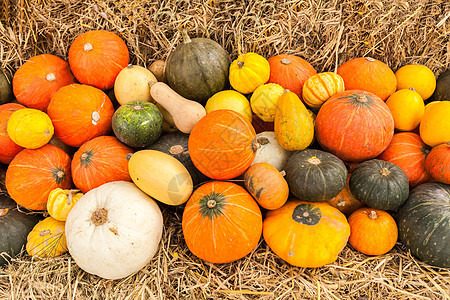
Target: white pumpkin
<point>132,84</point>
<point>270,151</point>
<point>114,230</point>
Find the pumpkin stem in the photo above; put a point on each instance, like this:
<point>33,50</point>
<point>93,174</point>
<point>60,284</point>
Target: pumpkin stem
<point>137,107</point>
<point>370,59</point>
<point>448,143</point>
<point>361,98</point>
<point>130,66</point>
<point>385,172</point>
<point>50,77</point>
<point>240,64</point>
<point>176,149</point>
<point>128,156</point>
<point>263,140</point>
<point>99,217</point>
<point>285,61</point>
<point>95,117</point>
<point>413,89</point>
<point>88,47</point>
<point>44,232</point>
<point>151,82</point>
<point>70,195</point>
<point>286,91</point>
<point>60,174</point>
<point>186,38</point>
<point>373,215</point>
<point>255,145</point>
<point>84,156</point>
<point>283,173</point>
<point>211,203</point>
<point>314,160</point>
<point>3,211</point>
<point>306,214</point>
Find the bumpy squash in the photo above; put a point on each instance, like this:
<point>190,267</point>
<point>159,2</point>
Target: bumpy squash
<point>294,125</point>
<point>264,101</point>
<point>60,202</point>
<point>47,239</point>
<point>249,71</point>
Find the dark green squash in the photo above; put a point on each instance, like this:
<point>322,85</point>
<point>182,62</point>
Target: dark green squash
<point>176,145</point>
<point>424,223</point>
<point>442,91</point>
<point>379,184</point>
<point>137,124</point>
<point>14,228</point>
<point>315,175</point>
<point>6,93</point>
<point>198,69</point>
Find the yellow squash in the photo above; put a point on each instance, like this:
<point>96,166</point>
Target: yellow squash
<point>264,101</point>
<point>229,99</point>
<point>435,124</point>
<point>60,202</point>
<point>294,124</point>
<point>47,239</point>
<point>407,109</point>
<point>249,71</point>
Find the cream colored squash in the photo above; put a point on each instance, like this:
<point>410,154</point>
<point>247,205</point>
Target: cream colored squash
<point>114,230</point>
<point>270,151</point>
<point>132,84</point>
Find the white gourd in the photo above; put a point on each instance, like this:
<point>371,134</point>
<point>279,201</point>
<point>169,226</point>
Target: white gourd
<point>270,152</point>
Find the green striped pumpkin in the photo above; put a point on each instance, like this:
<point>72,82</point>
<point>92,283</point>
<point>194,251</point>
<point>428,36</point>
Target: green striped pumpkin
<point>137,124</point>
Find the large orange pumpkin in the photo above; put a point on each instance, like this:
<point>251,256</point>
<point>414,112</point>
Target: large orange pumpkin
<point>290,72</point>
<point>370,75</point>
<point>354,125</point>
<point>96,58</point>
<point>438,163</point>
<point>79,113</point>
<point>39,78</point>
<point>34,173</point>
<point>407,151</point>
<point>8,149</point>
<point>100,160</point>
<point>221,222</point>
<point>222,145</point>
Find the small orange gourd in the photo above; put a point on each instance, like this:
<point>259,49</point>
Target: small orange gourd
<point>345,201</point>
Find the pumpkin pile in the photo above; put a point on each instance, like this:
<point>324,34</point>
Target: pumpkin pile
<point>249,148</point>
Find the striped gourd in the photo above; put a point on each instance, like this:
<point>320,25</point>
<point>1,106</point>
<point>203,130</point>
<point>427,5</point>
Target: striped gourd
<point>320,87</point>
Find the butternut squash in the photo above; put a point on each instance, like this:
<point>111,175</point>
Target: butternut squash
<point>185,113</point>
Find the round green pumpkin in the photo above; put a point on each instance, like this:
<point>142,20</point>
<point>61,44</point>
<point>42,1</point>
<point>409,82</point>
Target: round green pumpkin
<point>137,124</point>
<point>424,223</point>
<point>15,227</point>
<point>198,69</point>
<point>379,184</point>
<point>176,145</point>
<point>315,175</point>
<point>6,93</point>
<point>442,91</point>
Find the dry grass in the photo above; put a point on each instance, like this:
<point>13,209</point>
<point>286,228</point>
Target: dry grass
<point>326,33</point>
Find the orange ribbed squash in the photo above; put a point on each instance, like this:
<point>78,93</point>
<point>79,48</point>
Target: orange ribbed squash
<point>320,87</point>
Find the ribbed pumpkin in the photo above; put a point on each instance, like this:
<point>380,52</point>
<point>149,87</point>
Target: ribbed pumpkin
<point>98,161</point>
<point>198,68</point>
<point>60,202</point>
<point>345,201</point>
<point>30,128</point>
<point>320,87</point>
<point>39,78</point>
<point>372,231</point>
<point>47,239</point>
<point>308,235</point>
<point>249,71</point>
<point>6,92</point>
<point>131,84</point>
<point>34,173</point>
<point>379,184</point>
<point>407,151</point>
<point>267,185</point>
<point>354,125</point>
<point>15,226</point>
<point>315,175</point>
<point>419,77</point>
<point>434,127</point>
<point>294,125</point>
<point>8,149</point>
<point>290,71</point>
<point>229,99</point>
<point>221,222</point>
<point>424,223</point>
<point>437,163</point>
<point>370,75</point>
<point>264,101</point>
<point>79,113</point>
<point>96,57</point>
<point>222,144</point>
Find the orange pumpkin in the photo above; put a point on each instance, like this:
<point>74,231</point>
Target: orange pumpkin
<point>222,145</point>
<point>370,75</point>
<point>221,222</point>
<point>39,78</point>
<point>267,185</point>
<point>372,231</point>
<point>80,113</point>
<point>290,72</point>
<point>100,160</point>
<point>8,149</point>
<point>345,201</point>
<point>96,58</point>
<point>34,173</point>
<point>437,163</point>
<point>407,151</point>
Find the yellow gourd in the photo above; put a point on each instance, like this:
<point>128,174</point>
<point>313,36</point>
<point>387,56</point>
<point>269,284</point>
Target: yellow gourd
<point>435,124</point>
<point>419,77</point>
<point>407,109</point>
<point>264,101</point>
<point>232,100</point>
<point>47,239</point>
<point>60,202</point>
<point>249,71</point>
<point>30,128</point>
<point>294,124</point>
